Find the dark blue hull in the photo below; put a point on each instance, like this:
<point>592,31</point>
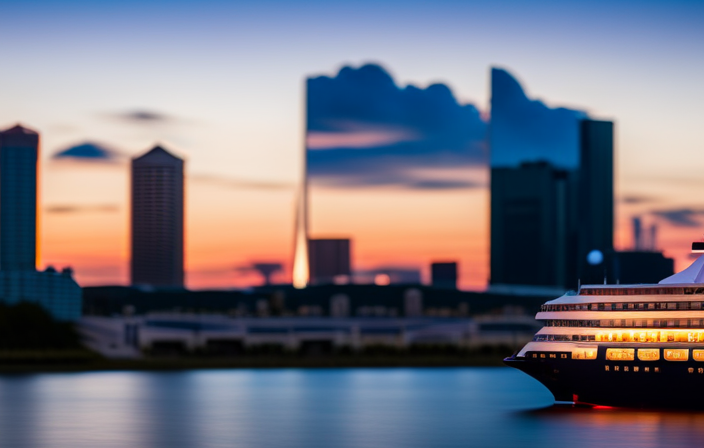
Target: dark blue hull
<point>635,384</point>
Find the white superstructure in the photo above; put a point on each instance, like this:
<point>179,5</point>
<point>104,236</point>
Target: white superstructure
<point>639,316</point>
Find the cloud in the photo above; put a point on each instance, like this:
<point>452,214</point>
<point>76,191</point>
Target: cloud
<point>143,116</point>
<point>227,182</point>
<point>355,168</point>
<point>363,129</point>
<point>637,199</point>
<point>90,152</point>
<point>523,129</point>
<point>71,208</point>
<point>681,217</point>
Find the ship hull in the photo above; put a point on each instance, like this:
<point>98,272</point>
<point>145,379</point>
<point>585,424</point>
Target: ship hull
<point>633,384</point>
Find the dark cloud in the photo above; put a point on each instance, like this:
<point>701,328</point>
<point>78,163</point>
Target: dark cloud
<point>370,167</point>
<point>365,130</point>
<point>681,217</point>
<point>523,129</point>
<point>66,209</point>
<point>227,182</point>
<point>143,116</point>
<point>91,152</point>
<point>637,199</point>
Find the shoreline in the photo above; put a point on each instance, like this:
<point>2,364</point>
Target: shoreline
<point>91,363</point>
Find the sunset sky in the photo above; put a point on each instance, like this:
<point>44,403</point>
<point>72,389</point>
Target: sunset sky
<point>221,83</point>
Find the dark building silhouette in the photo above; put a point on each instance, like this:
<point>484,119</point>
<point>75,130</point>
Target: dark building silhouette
<point>531,225</point>
<point>328,258</point>
<point>551,191</point>
<point>19,151</point>
<point>56,291</point>
<point>596,190</point>
<point>157,219</point>
<point>444,275</point>
<point>641,267</point>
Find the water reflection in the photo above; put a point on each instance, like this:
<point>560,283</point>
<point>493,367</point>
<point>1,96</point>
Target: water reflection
<point>622,427</point>
<point>345,408</point>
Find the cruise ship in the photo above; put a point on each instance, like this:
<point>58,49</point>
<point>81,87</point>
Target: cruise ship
<point>623,345</point>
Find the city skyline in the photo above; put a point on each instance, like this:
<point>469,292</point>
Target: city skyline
<point>241,131</point>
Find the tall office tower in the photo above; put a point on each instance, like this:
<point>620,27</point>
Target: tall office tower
<point>530,225</point>
<point>329,258</point>
<point>444,275</point>
<point>596,191</point>
<point>19,151</point>
<point>157,219</point>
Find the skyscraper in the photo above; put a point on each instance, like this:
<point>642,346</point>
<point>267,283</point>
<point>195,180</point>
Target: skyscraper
<point>157,219</point>
<point>596,194</point>
<point>19,150</point>
<point>530,224</point>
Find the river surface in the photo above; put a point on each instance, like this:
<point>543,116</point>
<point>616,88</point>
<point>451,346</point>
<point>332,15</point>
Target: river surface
<point>337,408</point>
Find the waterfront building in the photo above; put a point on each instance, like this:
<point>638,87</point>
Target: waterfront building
<point>157,220</point>
<point>178,333</point>
<point>329,260</point>
<point>56,291</point>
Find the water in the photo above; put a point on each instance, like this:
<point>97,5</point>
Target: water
<point>340,408</point>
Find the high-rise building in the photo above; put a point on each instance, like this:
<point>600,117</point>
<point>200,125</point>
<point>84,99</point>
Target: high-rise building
<point>19,150</point>
<point>596,191</point>
<point>444,275</point>
<point>57,292</point>
<point>329,260</point>
<point>157,219</point>
<point>530,224</point>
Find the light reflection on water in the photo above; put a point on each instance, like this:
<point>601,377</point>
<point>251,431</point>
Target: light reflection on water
<point>464,407</point>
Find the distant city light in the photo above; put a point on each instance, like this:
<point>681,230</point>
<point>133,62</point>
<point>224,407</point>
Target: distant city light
<point>382,280</point>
